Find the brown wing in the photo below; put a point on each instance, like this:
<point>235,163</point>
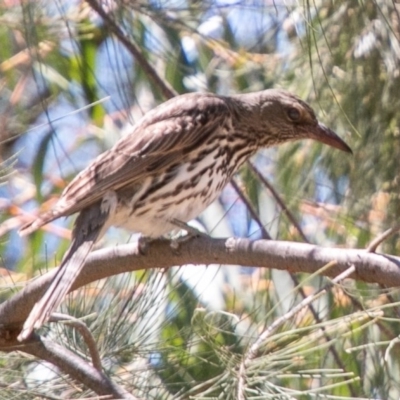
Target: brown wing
<point>159,139</point>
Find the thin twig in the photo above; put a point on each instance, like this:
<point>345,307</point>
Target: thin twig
<point>381,238</point>
<point>167,91</point>
<point>279,200</point>
<point>250,208</point>
<point>253,350</point>
<point>81,327</point>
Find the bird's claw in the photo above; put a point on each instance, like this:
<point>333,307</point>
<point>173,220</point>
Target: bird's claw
<point>192,233</point>
<point>143,244</point>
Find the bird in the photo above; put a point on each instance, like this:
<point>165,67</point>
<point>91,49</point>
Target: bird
<point>172,164</point>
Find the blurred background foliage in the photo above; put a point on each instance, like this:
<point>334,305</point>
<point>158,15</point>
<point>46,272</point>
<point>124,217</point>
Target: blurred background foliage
<point>69,83</point>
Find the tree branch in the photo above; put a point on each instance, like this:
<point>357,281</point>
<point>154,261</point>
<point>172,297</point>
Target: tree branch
<point>73,365</point>
<point>87,336</point>
<point>167,91</point>
<point>381,238</point>
<point>290,256</point>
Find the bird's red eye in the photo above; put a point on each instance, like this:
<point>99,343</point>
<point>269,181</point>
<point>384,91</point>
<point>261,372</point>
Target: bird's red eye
<point>293,114</point>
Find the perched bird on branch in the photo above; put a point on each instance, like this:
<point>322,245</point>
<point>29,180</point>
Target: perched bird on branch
<point>171,166</point>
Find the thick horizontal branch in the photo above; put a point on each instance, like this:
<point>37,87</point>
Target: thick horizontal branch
<point>293,257</point>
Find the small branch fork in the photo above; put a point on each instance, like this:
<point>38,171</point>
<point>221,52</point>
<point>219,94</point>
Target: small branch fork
<point>381,238</point>
<point>92,376</point>
<point>86,335</point>
<point>74,366</point>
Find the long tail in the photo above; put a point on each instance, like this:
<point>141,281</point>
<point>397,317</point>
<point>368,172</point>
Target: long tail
<point>89,227</point>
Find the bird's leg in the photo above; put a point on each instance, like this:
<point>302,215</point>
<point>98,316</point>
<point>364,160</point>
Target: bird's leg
<point>191,230</point>
<point>191,233</point>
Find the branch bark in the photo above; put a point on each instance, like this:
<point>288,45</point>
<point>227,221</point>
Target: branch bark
<point>293,257</point>
<point>87,336</point>
<point>74,366</point>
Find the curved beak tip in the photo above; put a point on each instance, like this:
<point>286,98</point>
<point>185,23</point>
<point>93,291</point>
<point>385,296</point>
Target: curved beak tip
<point>327,136</point>
<point>349,150</point>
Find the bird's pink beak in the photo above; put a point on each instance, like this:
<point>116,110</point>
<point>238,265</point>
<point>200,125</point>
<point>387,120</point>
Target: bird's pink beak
<point>323,134</point>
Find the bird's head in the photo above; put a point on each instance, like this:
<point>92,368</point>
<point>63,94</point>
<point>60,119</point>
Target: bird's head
<point>282,117</point>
